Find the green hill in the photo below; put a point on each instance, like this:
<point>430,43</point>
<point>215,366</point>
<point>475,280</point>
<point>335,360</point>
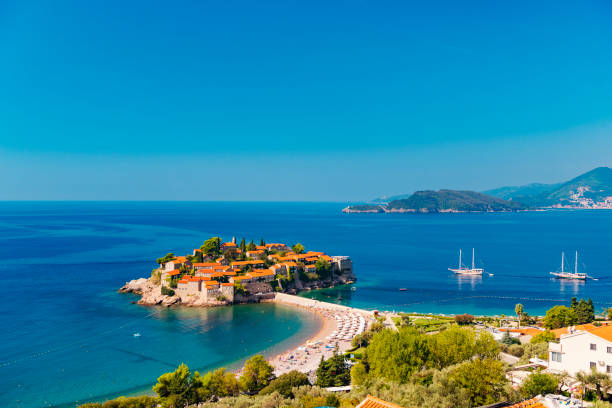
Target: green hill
<point>453,200</point>
<point>594,185</point>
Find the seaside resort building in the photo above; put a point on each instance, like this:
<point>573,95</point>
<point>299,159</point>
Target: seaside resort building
<point>582,350</point>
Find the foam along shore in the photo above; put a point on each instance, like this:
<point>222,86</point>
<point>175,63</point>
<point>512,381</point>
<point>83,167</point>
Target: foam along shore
<point>340,325</point>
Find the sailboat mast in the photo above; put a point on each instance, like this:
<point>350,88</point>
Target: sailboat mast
<point>459,258</point>
<point>562,261</point>
<point>472,258</point>
<point>576,263</point>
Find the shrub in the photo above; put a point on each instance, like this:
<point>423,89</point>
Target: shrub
<point>156,276</point>
<point>516,350</point>
<point>543,337</point>
<point>509,340</point>
<point>167,291</point>
<point>285,384</point>
<point>464,319</point>
<point>539,384</point>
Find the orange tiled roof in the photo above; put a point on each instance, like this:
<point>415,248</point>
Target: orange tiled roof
<point>530,331</point>
<point>290,264</point>
<point>228,244</point>
<point>227,284</point>
<point>312,259</point>
<point>373,402</point>
<point>581,327</point>
<point>201,264</point>
<point>530,403</point>
<point>605,332</point>
<point>174,272</point>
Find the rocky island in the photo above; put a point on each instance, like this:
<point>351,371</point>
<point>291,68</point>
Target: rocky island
<point>222,273</point>
<point>439,202</point>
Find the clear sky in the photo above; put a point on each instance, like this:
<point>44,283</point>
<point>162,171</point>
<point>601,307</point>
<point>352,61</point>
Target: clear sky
<point>288,100</point>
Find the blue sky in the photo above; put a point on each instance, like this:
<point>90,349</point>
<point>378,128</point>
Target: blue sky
<point>294,100</point>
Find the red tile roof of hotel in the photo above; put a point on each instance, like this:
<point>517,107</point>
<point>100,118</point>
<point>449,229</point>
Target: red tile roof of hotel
<point>605,332</point>
<point>581,327</point>
<point>373,402</point>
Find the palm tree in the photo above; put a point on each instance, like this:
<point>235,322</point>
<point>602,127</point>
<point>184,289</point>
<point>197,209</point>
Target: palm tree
<point>518,309</point>
<point>595,379</point>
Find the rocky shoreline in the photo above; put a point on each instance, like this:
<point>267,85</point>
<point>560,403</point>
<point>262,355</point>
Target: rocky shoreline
<point>151,295</point>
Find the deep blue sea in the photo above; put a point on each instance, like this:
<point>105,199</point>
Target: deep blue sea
<point>68,335</point>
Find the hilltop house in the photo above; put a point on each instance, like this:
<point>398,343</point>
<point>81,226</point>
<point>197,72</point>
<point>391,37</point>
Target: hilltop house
<point>582,350</point>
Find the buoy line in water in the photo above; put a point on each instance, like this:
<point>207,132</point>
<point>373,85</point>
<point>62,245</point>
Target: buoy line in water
<point>80,342</point>
<point>487,297</point>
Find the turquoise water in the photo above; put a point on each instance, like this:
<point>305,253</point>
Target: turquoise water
<point>68,335</point>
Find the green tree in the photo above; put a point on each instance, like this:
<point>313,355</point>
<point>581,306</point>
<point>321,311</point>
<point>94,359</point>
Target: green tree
<point>451,346</point>
<point>212,246</point>
<point>243,245</point>
<point>323,268</point>
<point>218,383</point>
<point>544,337</point>
<point>256,375</point>
<point>518,309</point>
<point>251,246</point>
<point>594,379</point>
<point>298,248</point>
<point>262,242</point>
<point>176,389</point>
<point>285,383</point>
<point>198,257</point>
<point>559,316</point>
<point>609,313</point>
<point>396,355</point>
<point>483,381</point>
<point>333,372</point>
<point>169,256</point>
<point>486,346</point>
<point>359,374</point>
<point>585,311</point>
<point>539,383</point>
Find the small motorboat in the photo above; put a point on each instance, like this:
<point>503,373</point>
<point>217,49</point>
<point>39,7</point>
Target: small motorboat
<point>136,334</point>
<point>402,289</point>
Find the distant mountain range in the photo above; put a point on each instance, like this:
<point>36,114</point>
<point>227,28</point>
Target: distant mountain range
<point>589,190</point>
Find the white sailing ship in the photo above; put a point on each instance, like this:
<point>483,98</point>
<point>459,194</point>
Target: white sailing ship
<point>462,270</point>
<point>563,274</point>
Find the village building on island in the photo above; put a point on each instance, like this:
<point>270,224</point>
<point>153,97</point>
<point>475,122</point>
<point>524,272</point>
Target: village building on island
<point>220,273</point>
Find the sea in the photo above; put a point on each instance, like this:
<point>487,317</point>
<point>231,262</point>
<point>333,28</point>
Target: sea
<point>68,337</point>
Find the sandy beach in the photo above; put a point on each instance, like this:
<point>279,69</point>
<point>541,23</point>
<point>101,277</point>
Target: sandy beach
<point>340,325</point>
